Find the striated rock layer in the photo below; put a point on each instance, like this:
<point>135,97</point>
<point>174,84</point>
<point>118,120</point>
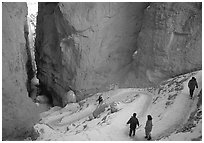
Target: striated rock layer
<point>88,46</point>
<point>18,111</point>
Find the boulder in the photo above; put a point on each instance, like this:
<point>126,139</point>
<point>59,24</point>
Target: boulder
<point>42,99</point>
<point>69,97</point>
<point>71,107</point>
<point>35,81</point>
<point>34,88</point>
<point>100,109</point>
<point>114,107</point>
<point>91,117</point>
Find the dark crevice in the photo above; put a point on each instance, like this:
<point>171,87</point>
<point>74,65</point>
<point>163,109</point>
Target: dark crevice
<point>55,86</point>
<point>29,69</point>
<point>45,92</point>
<point>33,90</point>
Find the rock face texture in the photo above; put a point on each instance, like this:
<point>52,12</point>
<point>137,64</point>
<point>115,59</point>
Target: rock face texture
<point>170,41</point>
<point>82,46</point>
<point>18,111</point>
<point>88,46</point>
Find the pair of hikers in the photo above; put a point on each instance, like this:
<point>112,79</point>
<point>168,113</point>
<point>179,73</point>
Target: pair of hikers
<point>133,121</point>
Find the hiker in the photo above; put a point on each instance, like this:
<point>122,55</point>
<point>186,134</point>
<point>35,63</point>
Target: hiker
<point>192,84</point>
<point>100,99</point>
<point>148,127</point>
<point>133,121</point>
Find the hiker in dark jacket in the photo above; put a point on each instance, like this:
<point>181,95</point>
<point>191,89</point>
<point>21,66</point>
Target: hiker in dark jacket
<point>148,127</point>
<point>133,121</point>
<point>100,99</point>
<point>192,84</point>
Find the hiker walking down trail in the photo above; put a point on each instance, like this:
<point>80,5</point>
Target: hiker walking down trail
<point>192,84</point>
<point>100,99</point>
<point>148,127</point>
<point>133,121</point>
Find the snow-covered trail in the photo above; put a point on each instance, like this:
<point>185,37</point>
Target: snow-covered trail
<point>68,119</point>
<point>140,107</point>
<point>61,123</point>
<point>178,114</point>
<point>166,118</point>
<point>118,130</point>
<point>117,123</point>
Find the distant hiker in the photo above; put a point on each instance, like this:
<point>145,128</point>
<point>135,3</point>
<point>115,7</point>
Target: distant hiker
<point>148,127</point>
<point>133,121</point>
<point>100,99</point>
<point>192,84</point>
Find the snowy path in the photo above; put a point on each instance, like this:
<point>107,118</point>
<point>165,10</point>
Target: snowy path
<point>66,118</point>
<point>62,122</point>
<point>118,130</point>
<point>165,118</point>
<point>176,115</point>
<point>139,105</point>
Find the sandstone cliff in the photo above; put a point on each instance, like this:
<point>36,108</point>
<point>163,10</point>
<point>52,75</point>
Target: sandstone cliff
<point>82,46</point>
<point>88,46</point>
<point>169,43</point>
<point>18,111</point>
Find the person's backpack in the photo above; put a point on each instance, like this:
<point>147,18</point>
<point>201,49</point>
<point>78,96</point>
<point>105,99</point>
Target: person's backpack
<point>190,83</point>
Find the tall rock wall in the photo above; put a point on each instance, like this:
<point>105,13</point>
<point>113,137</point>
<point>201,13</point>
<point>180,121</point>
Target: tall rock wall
<point>83,46</point>
<point>170,41</point>
<point>18,111</point>
<point>88,46</point>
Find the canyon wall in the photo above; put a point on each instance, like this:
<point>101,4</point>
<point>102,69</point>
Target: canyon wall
<point>82,46</point>
<point>87,47</point>
<point>19,113</point>
<point>169,43</point>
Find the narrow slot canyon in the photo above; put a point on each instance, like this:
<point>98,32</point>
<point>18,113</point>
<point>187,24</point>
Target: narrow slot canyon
<point>58,57</point>
<point>36,91</point>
